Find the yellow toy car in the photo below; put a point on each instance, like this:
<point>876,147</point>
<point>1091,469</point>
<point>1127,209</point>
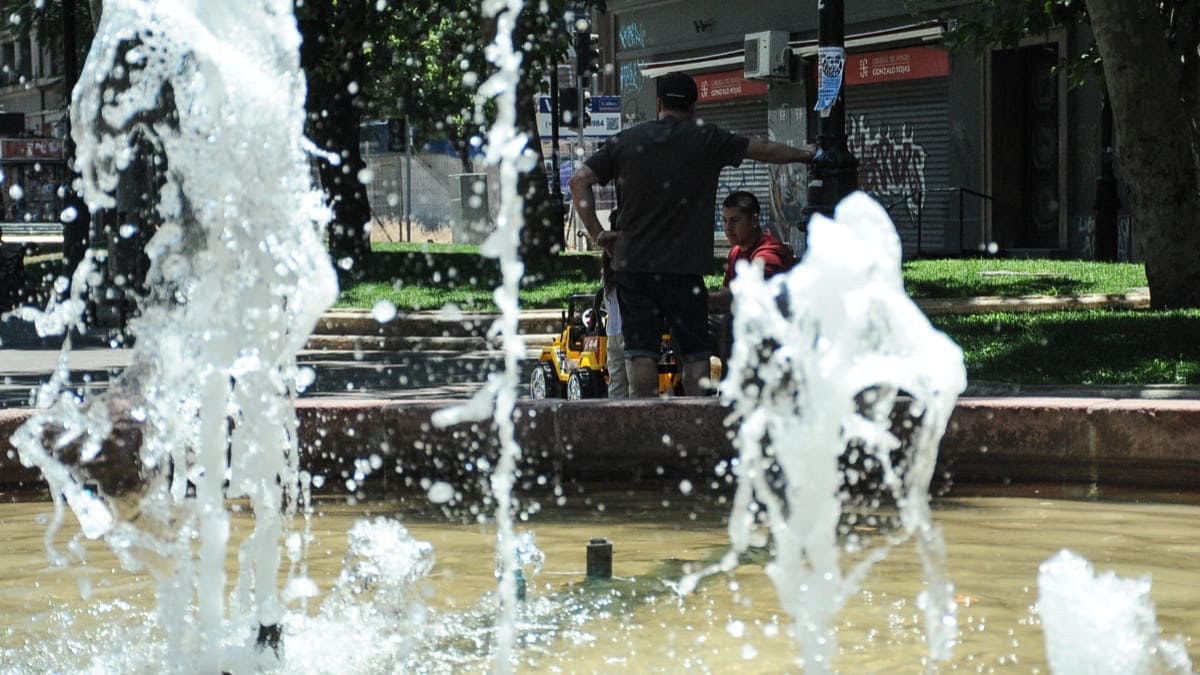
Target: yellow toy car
<point>574,365</point>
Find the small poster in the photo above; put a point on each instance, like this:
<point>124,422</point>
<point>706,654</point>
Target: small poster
<point>831,64</point>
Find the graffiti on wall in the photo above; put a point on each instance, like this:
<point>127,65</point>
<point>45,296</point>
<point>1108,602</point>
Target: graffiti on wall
<point>1085,228</point>
<point>632,80</point>
<point>632,83</point>
<point>632,36</point>
<point>890,166</point>
<point>789,182</point>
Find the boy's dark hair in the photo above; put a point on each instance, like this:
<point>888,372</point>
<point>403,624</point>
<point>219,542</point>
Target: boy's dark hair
<point>745,201</point>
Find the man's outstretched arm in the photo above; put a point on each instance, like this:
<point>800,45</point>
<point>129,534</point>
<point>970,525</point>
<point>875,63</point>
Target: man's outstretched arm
<point>773,152</point>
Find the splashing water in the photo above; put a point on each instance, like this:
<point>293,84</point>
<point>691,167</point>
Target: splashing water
<point>510,151</point>
<point>1102,623</point>
<point>239,278</point>
<point>822,357</point>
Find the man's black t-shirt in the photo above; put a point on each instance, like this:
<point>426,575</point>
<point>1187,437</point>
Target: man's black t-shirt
<point>666,175</point>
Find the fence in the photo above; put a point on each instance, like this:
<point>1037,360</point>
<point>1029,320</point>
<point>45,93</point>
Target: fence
<point>919,199</point>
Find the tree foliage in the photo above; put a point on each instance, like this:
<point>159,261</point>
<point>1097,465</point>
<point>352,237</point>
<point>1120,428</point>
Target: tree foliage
<point>374,59</point>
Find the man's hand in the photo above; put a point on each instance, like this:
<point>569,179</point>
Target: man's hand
<point>607,240</point>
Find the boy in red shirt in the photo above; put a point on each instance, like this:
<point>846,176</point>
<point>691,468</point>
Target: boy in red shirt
<point>739,214</point>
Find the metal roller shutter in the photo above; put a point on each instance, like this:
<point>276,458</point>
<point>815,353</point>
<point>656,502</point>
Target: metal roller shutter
<point>899,131</point>
<point>747,117</point>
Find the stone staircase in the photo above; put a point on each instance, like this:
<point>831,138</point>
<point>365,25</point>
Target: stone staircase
<point>348,330</point>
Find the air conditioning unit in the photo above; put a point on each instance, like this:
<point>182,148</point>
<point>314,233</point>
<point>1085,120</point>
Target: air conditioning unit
<point>767,55</point>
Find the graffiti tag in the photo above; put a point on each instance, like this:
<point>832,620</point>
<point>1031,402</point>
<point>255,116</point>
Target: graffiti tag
<point>631,77</point>
<point>632,36</point>
<point>888,164</point>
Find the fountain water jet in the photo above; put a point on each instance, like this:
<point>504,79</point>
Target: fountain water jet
<point>239,277</point>
<point>821,356</point>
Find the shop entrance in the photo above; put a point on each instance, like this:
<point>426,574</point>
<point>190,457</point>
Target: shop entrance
<point>1025,149</point>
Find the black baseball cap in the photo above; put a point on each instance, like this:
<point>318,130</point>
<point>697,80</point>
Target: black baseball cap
<point>677,90</point>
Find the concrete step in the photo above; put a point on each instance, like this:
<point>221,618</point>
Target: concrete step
<point>432,324</point>
<point>463,343</point>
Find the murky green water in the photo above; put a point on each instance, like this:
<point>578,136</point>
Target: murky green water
<point>636,623</point>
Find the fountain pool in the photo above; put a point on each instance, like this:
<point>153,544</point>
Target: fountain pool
<point>731,623</point>
<point>205,418</point>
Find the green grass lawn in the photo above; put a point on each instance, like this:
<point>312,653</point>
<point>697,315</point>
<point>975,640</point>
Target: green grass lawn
<point>965,278</point>
<point>951,278</point>
<point>1079,347</point>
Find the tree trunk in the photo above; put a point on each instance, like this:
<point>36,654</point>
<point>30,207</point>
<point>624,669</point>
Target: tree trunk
<point>542,235</point>
<point>1156,146</point>
<point>335,66</point>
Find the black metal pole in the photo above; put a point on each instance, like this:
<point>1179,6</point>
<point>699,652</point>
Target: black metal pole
<point>834,172</point>
<point>408,155</point>
<point>556,189</point>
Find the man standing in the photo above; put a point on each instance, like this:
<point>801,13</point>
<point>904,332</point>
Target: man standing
<point>666,172</point>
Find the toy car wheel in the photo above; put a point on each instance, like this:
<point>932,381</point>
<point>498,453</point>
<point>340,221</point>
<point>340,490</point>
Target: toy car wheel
<point>543,383</point>
<point>582,384</point>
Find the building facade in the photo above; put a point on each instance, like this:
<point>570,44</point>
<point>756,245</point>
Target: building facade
<point>33,128</point>
<point>970,153</point>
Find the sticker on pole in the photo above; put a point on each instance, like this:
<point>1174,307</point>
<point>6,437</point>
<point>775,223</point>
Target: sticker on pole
<point>831,63</point>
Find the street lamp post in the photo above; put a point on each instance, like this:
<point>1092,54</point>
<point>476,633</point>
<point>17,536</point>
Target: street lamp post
<point>834,171</point>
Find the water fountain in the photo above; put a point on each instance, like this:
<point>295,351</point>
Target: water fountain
<point>205,380</point>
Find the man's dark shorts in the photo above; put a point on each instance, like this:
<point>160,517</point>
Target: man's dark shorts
<point>647,299</point>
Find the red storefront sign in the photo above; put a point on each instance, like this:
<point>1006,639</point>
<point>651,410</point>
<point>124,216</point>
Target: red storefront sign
<point>910,63</point>
<point>31,149</point>
<point>725,86</point>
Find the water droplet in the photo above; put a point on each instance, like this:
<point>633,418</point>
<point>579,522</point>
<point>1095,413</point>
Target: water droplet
<point>128,230</point>
<point>68,215</point>
<point>685,486</point>
<point>366,176</point>
<point>736,628</point>
<point>383,311</point>
<point>16,192</point>
<point>305,377</point>
<point>346,263</point>
<point>440,492</point>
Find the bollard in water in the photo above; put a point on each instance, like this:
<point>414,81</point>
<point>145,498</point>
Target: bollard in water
<point>268,637</point>
<point>519,577</point>
<point>599,559</point>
